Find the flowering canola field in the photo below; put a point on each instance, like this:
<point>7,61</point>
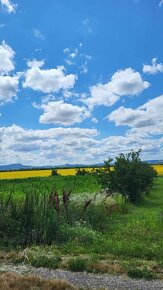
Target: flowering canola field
<point>159,169</point>
<point>24,174</point>
<point>47,172</point>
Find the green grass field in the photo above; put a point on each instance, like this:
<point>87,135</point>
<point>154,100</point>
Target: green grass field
<point>77,184</point>
<point>110,237</point>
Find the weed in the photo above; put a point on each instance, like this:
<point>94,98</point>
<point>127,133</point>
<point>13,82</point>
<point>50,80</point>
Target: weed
<point>46,262</point>
<point>141,273</point>
<point>78,264</point>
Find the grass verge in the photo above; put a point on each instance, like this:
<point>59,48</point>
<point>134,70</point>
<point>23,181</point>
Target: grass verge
<point>131,241</point>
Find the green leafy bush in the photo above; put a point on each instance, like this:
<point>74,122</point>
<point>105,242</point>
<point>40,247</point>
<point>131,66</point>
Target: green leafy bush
<point>131,177</point>
<point>46,262</point>
<point>78,264</point>
<point>82,171</point>
<point>141,273</point>
<point>55,172</point>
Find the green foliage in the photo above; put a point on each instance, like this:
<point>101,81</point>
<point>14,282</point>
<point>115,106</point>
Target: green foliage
<point>78,264</point>
<point>131,177</point>
<point>55,172</point>
<point>43,218</point>
<point>80,234</point>
<point>40,218</point>
<point>45,262</point>
<point>77,184</point>
<point>82,171</point>
<point>122,239</point>
<point>141,273</point>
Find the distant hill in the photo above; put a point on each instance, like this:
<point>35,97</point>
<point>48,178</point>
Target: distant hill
<point>16,166</point>
<point>19,166</point>
<point>155,161</point>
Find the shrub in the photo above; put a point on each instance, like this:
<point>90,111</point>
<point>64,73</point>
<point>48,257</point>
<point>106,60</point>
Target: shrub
<point>55,172</point>
<point>78,264</point>
<point>47,262</point>
<point>141,273</point>
<point>83,171</point>
<point>131,177</point>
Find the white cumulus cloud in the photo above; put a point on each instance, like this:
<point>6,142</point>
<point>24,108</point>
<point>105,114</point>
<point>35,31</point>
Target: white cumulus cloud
<point>9,6</point>
<point>147,118</point>
<point>127,82</point>
<point>58,112</point>
<point>43,147</point>
<point>47,80</point>
<point>8,88</point>
<point>56,146</point>
<point>6,58</point>
<point>153,68</point>
<point>123,83</point>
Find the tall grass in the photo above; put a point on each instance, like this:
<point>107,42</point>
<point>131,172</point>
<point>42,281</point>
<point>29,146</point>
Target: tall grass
<point>46,218</point>
<point>77,184</point>
<point>63,223</point>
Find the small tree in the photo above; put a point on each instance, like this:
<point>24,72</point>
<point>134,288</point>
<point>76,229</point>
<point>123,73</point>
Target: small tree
<point>131,177</point>
<point>55,172</point>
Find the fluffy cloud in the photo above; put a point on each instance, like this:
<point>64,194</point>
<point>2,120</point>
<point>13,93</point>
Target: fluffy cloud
<point>51,146</point>
<point>58,112</point>
<point>101,95</point>
<point>127,82</point>
<point>6,58</point>
<point>148,118</point>
<point>9,6</point>
<point>154,68</point>
<point>56,146</point>
<point>47,80</point>
<point>8,88</point>
<point>123,83</point>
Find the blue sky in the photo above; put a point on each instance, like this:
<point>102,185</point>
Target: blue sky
<point>80,80</point>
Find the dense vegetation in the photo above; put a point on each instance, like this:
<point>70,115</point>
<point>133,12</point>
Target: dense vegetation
<point>130,177</point>
<point>75,217</point>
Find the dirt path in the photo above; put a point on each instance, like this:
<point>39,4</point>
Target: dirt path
<point>87,280</point>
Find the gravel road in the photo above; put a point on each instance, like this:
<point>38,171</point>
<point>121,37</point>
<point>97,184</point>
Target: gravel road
<point>87,280</point>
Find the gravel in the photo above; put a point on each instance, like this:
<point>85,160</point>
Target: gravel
<point>87,280</point>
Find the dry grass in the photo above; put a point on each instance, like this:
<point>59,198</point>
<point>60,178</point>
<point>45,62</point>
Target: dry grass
<point>8,256</point>
<point>104,267</point>
<point>13,281</point>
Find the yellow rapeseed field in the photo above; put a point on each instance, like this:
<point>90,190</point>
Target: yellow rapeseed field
<point>70,171</point>
<point>47,172</point>
<point>24,174</point>
<point>159,169</point>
